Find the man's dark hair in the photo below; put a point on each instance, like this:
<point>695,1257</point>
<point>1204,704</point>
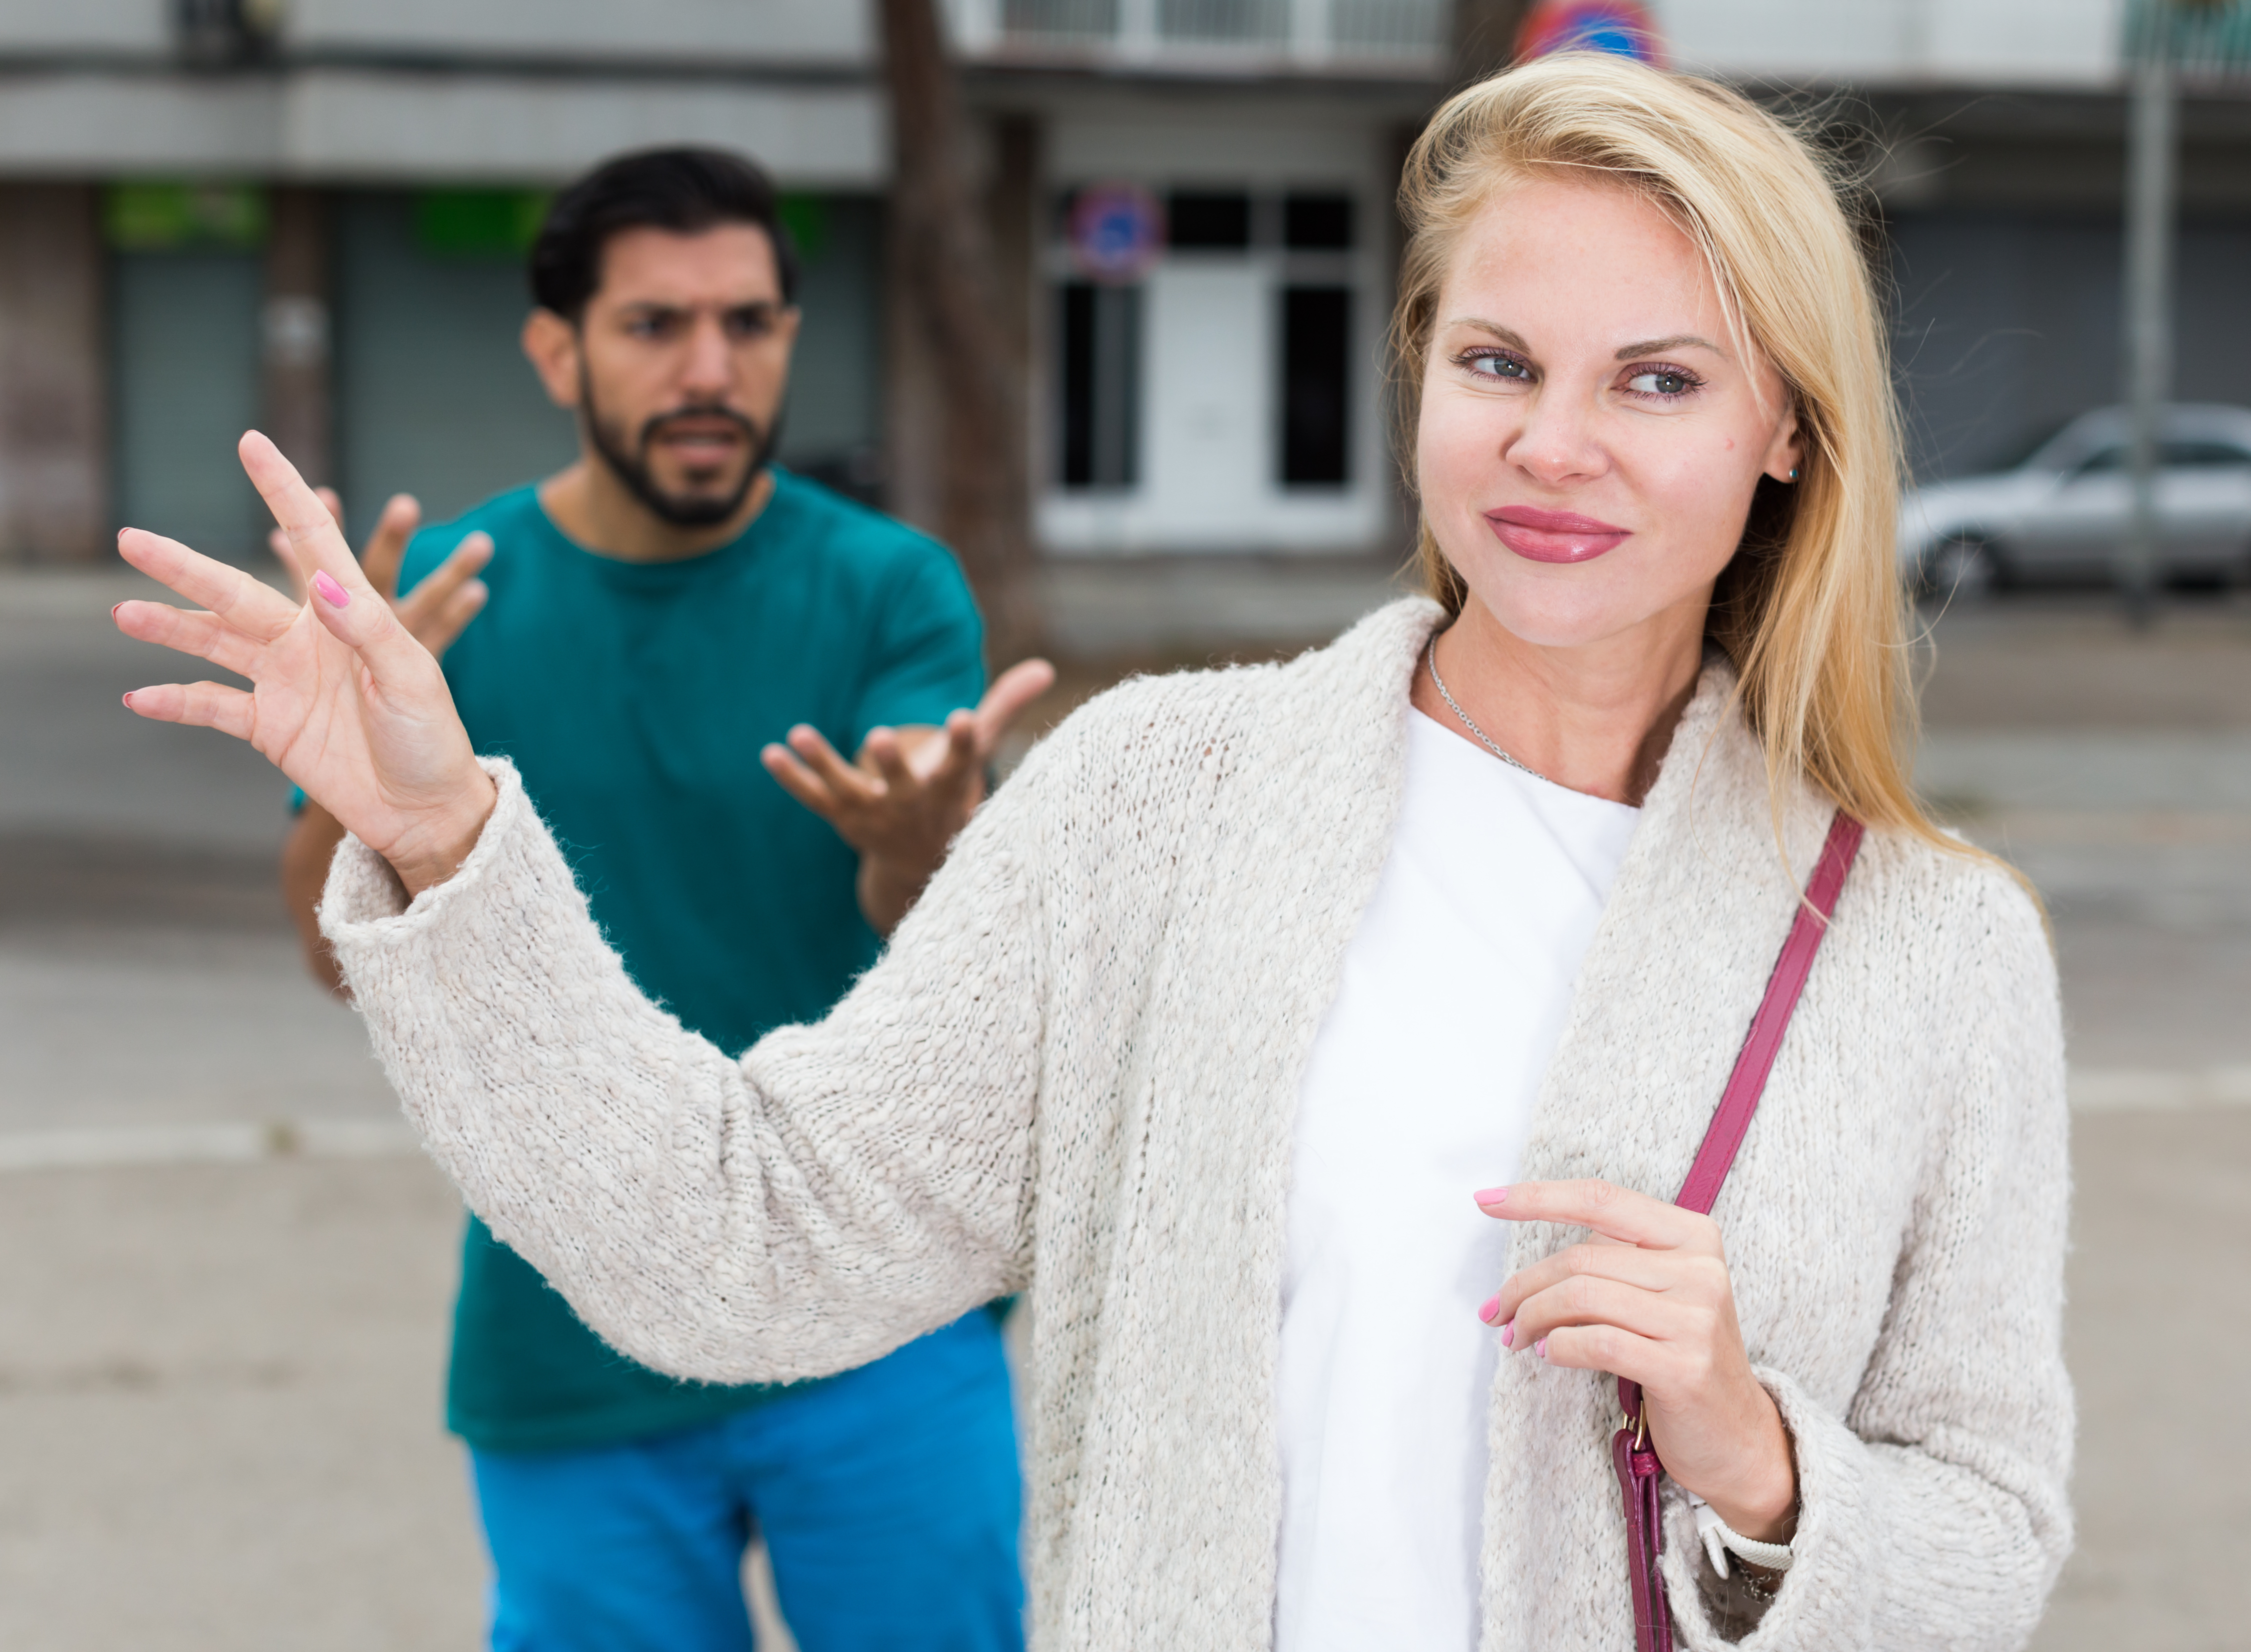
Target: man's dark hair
<point>684,191</point>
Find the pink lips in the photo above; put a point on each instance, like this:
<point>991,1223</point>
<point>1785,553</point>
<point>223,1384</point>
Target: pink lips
<point>1554,535</point>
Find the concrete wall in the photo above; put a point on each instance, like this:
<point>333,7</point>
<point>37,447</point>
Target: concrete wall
<point>2043,43</point>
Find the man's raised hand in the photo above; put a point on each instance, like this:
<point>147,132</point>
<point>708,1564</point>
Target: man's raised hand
<point>911,791</point>
<point>343,699</point>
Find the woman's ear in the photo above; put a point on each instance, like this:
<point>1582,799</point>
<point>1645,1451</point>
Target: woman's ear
<point>1785,455</point>
<point>551,343</point>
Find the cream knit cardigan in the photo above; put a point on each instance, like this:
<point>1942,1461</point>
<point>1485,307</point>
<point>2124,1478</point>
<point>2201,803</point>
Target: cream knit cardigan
<point>1074,1072</point>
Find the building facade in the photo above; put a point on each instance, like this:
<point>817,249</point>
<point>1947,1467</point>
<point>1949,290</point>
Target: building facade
<point>310,215</point>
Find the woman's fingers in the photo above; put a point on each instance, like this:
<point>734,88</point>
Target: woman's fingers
<point>202,705</point>
<point>249,605</point>
<point>204,635</point>
<point>352,609</point>
<point>1617,1213</point>
<point>1676,1270</point>
<point>1660,1316</point>
<point>1608,1348</point>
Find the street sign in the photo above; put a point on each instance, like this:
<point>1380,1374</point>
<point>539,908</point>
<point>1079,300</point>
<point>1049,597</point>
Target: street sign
<point>1620,27</point>
<point>1117,233</point>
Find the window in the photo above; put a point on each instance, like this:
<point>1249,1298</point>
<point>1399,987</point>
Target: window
<point>1208,220</point>
<point>1101,362</point>
<point>1317,222</point>
<point>1316,385</point>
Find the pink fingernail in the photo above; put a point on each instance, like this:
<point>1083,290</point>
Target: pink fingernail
<point>1541,1348</point>
<point>1508,1335</point>
<point>332,593</point>
<point>113,608</point>
<point>1491,1306</point>
<point>128,702</point>
<point>1492,1196</point>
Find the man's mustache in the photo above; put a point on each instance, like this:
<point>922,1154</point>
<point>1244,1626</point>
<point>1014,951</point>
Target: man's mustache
<point>655,426</point>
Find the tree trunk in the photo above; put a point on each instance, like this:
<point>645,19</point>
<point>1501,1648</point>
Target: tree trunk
<point>1484,36</point>
<point>947,279</point>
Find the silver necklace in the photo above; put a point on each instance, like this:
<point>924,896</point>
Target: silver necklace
<point>1432,658</point>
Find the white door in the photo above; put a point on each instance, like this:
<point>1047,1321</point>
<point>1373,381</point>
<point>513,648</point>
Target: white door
<point>1208,419</point>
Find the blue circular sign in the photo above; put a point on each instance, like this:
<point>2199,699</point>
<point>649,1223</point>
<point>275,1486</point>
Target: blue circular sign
<point>1116,231</point>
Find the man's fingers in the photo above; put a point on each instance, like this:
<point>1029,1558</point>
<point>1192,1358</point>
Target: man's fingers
<point>1618,1212</point>
<point>204,635</point>
<point>885,753</point>
<point>202,705</point>
<point>249,604</point>
<point>800,781</point>
<point>437,631</point>
<point>435,595</point>
<point>849,784</point>
<point>387,547</point>
<point>1012,691</point>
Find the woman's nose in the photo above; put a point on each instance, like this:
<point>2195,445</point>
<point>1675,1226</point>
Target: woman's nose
<point>1556,442</point>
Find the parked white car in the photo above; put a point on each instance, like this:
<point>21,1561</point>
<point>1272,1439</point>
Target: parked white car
<point>2064,513</point>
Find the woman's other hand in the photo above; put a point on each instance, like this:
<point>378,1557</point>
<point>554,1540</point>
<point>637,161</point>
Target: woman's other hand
<point>343,699</point>
<point>1649,1299</point>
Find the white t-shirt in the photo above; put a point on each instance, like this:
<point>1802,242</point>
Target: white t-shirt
<point>1418,1093</point>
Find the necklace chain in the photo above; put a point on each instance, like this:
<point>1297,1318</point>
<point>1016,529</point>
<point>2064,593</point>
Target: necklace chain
<point>1454,705</point>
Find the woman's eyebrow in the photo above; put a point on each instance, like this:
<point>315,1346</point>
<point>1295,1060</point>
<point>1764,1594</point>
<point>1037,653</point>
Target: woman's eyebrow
<point>1506,335</point>
<point>1679,341</point>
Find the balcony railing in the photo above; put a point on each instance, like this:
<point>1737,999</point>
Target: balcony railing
<point>1404,37</point>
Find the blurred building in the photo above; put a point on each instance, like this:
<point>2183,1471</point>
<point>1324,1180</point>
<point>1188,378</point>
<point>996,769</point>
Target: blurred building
<point>310,214</point>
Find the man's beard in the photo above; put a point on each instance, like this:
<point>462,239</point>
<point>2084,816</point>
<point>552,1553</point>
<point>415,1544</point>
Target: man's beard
<point>681,510</point>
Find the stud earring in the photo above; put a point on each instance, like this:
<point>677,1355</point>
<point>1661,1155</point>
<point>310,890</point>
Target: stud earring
<point>1793,472</point>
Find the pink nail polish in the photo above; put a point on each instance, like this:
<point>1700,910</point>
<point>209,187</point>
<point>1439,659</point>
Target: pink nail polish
<point>128,702</point>
<point>1508,1335</point>
<point>1492,1196</point>
<point>113,608</point>
<point>1493,1303</point>
<point>1541,1348</point>
<point>332,593</point>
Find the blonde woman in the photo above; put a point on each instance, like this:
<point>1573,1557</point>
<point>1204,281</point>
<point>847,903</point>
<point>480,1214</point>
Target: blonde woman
<point>1269,1022</point>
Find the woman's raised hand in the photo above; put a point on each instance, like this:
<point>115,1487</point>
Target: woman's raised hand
<point>1649,1299</point>
<point>343,699</point>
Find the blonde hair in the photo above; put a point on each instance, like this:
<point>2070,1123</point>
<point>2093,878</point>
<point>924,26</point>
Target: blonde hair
<point>1809,609</point>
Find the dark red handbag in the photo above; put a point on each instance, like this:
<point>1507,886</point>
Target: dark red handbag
<point>1632,1454</point>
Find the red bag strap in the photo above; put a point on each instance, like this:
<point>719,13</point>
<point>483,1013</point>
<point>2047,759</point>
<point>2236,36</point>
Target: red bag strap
<point>1633,1458</point>
<point>1731,1122</point>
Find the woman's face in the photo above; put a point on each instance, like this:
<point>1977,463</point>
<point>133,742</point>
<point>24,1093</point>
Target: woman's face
<point>1589,438</point>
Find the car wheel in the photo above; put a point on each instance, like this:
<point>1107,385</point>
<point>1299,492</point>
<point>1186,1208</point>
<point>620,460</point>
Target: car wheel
<point>1961,569</point>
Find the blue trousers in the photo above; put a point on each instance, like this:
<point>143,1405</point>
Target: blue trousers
<point>889,1497</point>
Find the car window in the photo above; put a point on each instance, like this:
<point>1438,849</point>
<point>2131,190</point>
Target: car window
<point>2204,455</point>
<point>2176,455</point>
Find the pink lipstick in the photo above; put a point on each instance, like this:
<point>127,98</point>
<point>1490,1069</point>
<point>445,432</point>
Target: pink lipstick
<point>1554,535</point>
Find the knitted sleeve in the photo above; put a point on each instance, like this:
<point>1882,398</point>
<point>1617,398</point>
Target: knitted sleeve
<point>836,1191</point>
<point>1936,1513</point>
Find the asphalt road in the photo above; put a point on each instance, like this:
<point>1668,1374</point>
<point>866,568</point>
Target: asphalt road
<point>224,1279</point>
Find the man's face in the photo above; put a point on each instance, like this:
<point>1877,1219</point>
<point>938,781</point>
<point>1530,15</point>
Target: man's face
<point>682,359</point>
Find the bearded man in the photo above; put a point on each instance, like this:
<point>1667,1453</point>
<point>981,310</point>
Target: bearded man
<point>677,638</point>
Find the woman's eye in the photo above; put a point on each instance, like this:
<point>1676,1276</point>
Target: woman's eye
<point>1661,383</point>
<point>1499,367</point>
